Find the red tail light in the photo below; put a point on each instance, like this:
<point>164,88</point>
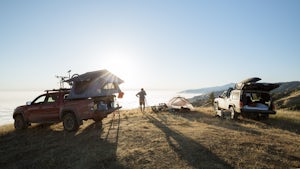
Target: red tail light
<point>272,106</point>
<point>120,95</point>
<point>241,104</point>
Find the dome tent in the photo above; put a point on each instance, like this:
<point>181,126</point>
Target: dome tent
<point>180,103</point>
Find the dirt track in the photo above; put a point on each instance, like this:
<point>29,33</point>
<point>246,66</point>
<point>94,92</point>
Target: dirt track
<point>150,140</point>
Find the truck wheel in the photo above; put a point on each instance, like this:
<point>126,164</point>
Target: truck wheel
<point>20,123</point>
<point>70,123</point>
<point>233,113</point>
<point>218,110</point>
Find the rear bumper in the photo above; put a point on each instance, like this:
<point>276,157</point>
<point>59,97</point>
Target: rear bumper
<point>253,111</point>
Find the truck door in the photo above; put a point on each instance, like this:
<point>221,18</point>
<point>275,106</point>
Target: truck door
<point>50,108</point>
<point>43,109</point>
<point>34,110</point>
<point>235,99</point>
<point>223,101</point>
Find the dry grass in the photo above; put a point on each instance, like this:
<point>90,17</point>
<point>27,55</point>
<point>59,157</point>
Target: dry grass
<point>290,101</point>
<point>163,140</point>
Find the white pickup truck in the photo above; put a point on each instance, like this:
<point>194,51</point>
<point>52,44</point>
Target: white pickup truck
<point>248,98</point>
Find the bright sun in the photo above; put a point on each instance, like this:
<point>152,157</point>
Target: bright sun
<point>125,69</point>
<point>121,59</point>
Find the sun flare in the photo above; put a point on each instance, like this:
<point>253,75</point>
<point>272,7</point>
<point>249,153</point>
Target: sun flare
<point>125,69</point>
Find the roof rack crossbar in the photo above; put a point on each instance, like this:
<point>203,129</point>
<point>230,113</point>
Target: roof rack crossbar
<point>55,90</point>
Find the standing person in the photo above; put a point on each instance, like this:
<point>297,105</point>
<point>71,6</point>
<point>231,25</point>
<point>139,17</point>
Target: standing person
<point>141,96</point>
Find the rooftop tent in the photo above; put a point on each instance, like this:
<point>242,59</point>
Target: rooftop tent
<point>94,84</point>
<point>179,103</point>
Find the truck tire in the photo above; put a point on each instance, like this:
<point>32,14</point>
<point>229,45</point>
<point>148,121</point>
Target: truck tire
<point>218,111</point>
<point>70,123</point>
<point>233,113</point>
<point>20,123</point>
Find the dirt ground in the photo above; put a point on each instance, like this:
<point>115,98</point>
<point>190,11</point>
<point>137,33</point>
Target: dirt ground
<point>131,139</point>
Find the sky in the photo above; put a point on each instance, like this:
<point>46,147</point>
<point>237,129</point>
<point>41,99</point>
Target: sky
<point>170,44</point>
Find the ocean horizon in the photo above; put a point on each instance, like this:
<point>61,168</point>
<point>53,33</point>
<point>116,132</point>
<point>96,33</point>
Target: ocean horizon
<point>11,99</point>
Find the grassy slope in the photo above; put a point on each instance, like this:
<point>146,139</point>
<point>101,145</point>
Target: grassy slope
<point>163,140</point>
<point>291,101</point>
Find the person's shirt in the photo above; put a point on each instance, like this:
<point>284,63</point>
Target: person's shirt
<point>141,94</point>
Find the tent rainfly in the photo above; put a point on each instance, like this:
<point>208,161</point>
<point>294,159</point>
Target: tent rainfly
<point>94,84</point>
<point>180,103</point>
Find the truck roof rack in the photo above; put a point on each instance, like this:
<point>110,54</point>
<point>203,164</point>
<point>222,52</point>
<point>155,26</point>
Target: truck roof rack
<point>57,90</point>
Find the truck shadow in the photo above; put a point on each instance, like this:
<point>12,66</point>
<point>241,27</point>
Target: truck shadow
<point>187,149</point>
<point>42,147</point>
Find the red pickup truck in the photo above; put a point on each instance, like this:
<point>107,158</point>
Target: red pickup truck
<point>54,106</point>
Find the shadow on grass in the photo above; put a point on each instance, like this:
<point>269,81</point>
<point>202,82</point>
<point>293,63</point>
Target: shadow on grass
<point>284,124</point>
<point>279,123</point>
<point>42,147</point>
<point>187,149</point>
<point>208,119</point>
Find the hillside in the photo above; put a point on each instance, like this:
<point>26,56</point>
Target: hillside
<point>163,140</point>
<point>286,96</point>
<point>209,89</point>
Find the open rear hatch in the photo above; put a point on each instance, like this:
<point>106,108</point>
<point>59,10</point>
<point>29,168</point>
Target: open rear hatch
<point>250,84</point>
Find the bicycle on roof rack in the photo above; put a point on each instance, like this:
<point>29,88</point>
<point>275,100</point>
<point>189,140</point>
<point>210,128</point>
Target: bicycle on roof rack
<point>64,79</point>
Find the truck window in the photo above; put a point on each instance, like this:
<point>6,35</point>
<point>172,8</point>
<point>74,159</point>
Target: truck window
<point>255,96</point>
<point>223,95</point>
<point>66,96</point>
<point>39,100</point>
<point>52,98</point>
